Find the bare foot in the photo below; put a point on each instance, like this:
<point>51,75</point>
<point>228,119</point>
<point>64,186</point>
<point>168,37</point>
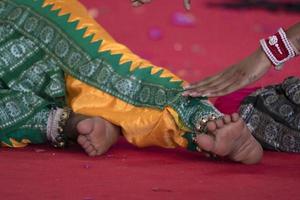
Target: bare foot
<point>96,135</point>
<point>230,137</point>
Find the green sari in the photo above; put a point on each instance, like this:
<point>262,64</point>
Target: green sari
<point>39,48</point>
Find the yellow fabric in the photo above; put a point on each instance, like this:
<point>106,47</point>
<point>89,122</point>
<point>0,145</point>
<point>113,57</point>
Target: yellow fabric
<point>141,126</point>
<point>16,144</point>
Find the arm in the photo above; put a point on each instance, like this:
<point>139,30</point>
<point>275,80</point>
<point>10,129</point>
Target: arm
<point>241,74</point>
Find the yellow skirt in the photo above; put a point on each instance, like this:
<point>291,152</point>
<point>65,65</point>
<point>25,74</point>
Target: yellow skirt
<point>141,126</point>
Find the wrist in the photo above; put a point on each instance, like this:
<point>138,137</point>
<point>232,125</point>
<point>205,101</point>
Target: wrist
<point>295,41</point>
<point>278,48</point>
<point>261,59</point>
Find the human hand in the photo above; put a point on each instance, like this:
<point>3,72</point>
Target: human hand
<point>232,79</point>
<point>136,3</point>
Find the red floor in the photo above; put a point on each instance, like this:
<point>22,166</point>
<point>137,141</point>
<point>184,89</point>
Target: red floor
<point>153,173</point>
<point>214,40</point>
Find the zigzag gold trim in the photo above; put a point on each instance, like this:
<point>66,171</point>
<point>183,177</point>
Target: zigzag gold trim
<point>78,13</point>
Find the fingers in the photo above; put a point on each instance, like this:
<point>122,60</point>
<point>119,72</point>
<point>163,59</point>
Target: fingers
<point>205,82</point>
<point>234,86</point>
<point>211,84</point>
<point>228,81</point>
<point>187,4</point>
<point>220,85</point>
<point>136,3</point>
<point>223,89</point>
<point>210,89</point>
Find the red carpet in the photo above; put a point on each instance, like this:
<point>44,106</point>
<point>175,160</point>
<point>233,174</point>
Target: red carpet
<point>153,173</point>
<point>214,39</point>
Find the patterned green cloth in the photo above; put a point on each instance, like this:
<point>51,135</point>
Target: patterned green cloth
<point>38,47</point>
<point>31,81</point>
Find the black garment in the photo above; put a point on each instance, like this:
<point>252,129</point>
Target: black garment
<point>273,115</point>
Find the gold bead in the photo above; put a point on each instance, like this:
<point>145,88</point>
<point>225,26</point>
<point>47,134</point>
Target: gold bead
<point>212,117</point>
<point>61,144</point>
<point>198,149</point>
<point>60,129</point>
<point>201,123</point>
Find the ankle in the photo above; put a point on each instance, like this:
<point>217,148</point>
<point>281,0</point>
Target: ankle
<point>71,126</point>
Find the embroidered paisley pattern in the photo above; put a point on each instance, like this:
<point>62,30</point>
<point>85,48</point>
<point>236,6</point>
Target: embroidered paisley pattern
<point>38,47</point>
<point>273,115</point>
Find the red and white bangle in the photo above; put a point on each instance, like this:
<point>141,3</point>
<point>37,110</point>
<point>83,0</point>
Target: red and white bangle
<point>278,49</point>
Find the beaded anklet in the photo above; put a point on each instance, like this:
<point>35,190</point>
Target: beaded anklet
<point>57,121</point>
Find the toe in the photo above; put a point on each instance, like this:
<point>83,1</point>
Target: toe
<point>81,140</point>
<point>86,144</point>
<point>89,149</point>
<point>219,123</point>
<point>205,142</point>
<point>85,126</point>
<point>211,126</point>
<point>235,117</point>
<point>93,153</point>
<point>100,152</point>
<point>226,119</point>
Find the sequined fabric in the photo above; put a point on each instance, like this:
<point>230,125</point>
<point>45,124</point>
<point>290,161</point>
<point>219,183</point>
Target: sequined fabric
<point>46,43</point>
<point>273,115</point>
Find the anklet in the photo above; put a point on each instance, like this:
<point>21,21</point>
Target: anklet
<point>201,126</point>
<point>57,121</point>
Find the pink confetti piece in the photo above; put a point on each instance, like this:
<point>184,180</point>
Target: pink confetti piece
<point>183,19</point>
<point>157,189</point>
<point>87,166</point>
<point>39,150</point>
<point>155,33</point>
<point>178,46</point>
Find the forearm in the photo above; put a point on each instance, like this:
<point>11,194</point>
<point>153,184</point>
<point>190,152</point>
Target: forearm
<point>259,58</point>
<point>293,34</point>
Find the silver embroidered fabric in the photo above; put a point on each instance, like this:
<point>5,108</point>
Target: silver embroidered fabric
<point>273,115</point>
